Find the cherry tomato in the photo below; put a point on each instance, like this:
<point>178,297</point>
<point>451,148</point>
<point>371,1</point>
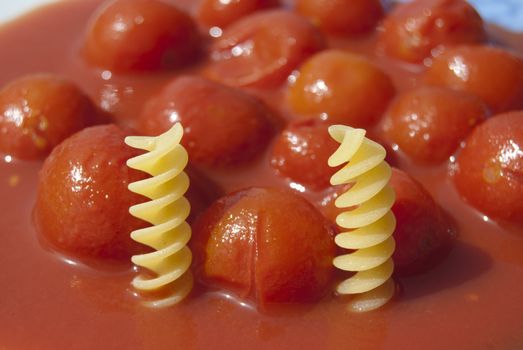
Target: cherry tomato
<point>37,112</point>
<point>429,123</point>
<point>493,74</point>
<point>141,35</point>
<point>222,125</point>
<point>489,172</point>
<point>264,243</point>
<point>263,49</point>
<point>82,205</point>
<point>420,29</point>
<point>342,87</point>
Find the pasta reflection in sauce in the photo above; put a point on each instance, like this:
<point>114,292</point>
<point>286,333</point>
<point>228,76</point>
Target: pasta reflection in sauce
<point>259,93</point>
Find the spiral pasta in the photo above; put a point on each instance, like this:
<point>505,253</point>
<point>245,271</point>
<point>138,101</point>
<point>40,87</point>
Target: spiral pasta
<point>370,221</point>
<point>167,211</point>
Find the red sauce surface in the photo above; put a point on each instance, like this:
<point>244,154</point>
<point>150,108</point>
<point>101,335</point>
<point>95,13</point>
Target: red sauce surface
<point>472,300</point>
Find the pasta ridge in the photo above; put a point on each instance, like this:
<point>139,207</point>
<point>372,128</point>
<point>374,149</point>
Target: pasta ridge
<point>167,211</point>
<point>368,220</point>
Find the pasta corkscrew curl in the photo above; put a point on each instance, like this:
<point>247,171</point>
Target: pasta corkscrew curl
<point>168,209</point>
<point>369,221</point>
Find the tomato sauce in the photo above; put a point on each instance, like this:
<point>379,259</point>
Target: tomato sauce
<point>472,300</point>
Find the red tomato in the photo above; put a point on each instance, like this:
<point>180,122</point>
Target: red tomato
<point>82,199</point>
<point>262,49</point>
<point>37,112</point>
<point>490,168</point>
<point>141,35</point>
<point>420,29</point>
<point>429,123</point>
<point>265,243</point>
<point>342,17</point>
<point>222,13</point>
<point>493,74</point>
<point>301,153</point>
<point>343,87</point>
<point>222,125</point>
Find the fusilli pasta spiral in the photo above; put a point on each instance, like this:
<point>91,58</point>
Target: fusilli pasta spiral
<point>167,211</point>
<point>371,222</point>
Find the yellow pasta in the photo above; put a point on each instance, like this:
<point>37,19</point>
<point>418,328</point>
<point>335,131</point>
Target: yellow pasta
<point>370,225</point>
<point>165,160</point>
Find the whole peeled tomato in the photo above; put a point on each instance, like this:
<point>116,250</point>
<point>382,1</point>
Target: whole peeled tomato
<point>262,50</point>
<point>141,35</point>
<point>82,204</point>
<point>222,125</point>
<point>342,17</point>
<point>493,74</point>
<point>341,87</point>
<point>222,13</point>
<point>416,30</point>
<point>429,123</point>
<point>267,244</point>
<point>301,152</point>
<point>489,172</point>
<point>38,111</point>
